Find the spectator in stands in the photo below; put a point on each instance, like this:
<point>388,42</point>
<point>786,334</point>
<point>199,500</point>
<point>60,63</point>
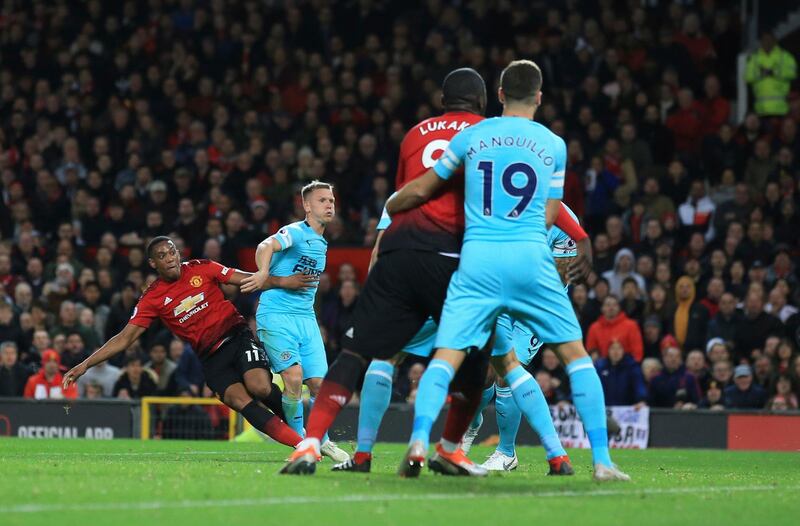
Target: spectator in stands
<point>47,382</point>
<point>624,265</point>
<point>744,394</point>
<point>74,351</point>
<point>736,210</point>
<point>40,342</point>
<point>651,337</point>
<point>338,319</point>
<point>586,308</point>
<point>696,212</point>
<point>763,372</point>
<point>9,327</point>
<point>686,123</point>
<point>778,306</point>
<point>691,317</point>
<point>632,304</point>
<point>94,391</point>
<point>189,372</point>
<point>722,373</point>
<point>558,373</point>
<point>552,390</point>
<point>613,326</point>
<point>164,368</point>
<point>13,374</point>
<point>784,356</point>
<point>755,326</point>
<point>623,383</point>
<point>135,381</point>
<point>674,386</point>
<point>770,71</point>
<point>783,392</point>
<point>713,399</point>
<point>696,366</point>
<point>651,367</point>
<point>103,374</point>
<point>724,326</point>
<point>68,323</point>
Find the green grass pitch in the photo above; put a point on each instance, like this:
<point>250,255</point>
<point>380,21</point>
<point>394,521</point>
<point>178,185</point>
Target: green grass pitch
<point>130,482</point>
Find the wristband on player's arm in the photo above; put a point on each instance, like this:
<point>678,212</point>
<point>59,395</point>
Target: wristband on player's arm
<point>569,225</point>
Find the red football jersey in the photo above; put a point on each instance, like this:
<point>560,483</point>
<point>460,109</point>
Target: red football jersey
<point>192,307</point>
<point>437,225</point>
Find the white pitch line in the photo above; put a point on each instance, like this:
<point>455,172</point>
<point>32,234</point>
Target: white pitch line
<point>277,501</point>
<point>132,454</point>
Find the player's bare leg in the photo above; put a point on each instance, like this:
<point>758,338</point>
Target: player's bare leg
<point>237,398</point>
<point>588,398</point>
<point>258,383</point>
<point>328,448</point>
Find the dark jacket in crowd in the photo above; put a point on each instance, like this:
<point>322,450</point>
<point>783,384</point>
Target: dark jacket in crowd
<point>724,327</point>
<point>669,388</point>
<point>13,380</point>
<point>753,398</point>
<point>752,333</point>
<point>623,383</point>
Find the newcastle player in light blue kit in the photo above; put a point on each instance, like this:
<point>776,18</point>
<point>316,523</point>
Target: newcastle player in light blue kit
<point>286,323</point>
<point>512,336</point>
<point>514,181</point>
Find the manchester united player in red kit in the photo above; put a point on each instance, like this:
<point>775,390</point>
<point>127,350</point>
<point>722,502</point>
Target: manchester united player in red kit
<point>187,298</point>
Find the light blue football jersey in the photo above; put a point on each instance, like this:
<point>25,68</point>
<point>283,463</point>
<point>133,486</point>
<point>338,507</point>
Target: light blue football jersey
<point>303,251</point>
<point>512,166</point>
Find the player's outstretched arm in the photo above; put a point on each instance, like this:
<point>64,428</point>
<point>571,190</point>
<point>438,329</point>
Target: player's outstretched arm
<point>551,211</point>
<point>260,280</point>
<point>114,346</point>
<point>293,282</point>
<point>581,266</point>
<point>415,193</point>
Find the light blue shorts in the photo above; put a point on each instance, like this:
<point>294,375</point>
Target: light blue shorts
<point>291,339</point>
<point>509,336</point>
<point>422,343</point>
<point>519,279</point>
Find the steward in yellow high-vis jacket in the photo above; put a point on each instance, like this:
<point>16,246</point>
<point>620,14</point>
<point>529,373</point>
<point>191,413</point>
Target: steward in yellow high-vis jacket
<point>770,72</point>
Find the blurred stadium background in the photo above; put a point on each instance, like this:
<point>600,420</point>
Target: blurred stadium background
<point>201,119</point>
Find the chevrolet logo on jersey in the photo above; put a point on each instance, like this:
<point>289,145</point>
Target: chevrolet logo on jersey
<point>188,304</point>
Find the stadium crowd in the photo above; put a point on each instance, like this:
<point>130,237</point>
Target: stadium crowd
<point>201,119</point>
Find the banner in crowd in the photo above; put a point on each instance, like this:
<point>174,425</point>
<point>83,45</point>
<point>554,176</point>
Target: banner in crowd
<point>65,419</point>
<point>634,426</point>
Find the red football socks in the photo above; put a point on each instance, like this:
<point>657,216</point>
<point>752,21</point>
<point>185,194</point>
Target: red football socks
<point>361,457</point>
<point>330,400</point>
<point>277,429</point>
<point>462,410</point>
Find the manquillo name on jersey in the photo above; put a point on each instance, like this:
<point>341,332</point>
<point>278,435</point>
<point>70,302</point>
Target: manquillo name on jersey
<point>525,143</point>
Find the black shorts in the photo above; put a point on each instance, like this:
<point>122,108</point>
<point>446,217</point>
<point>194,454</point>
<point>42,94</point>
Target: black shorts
<point>403,289</point>
<point>236,356</point>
